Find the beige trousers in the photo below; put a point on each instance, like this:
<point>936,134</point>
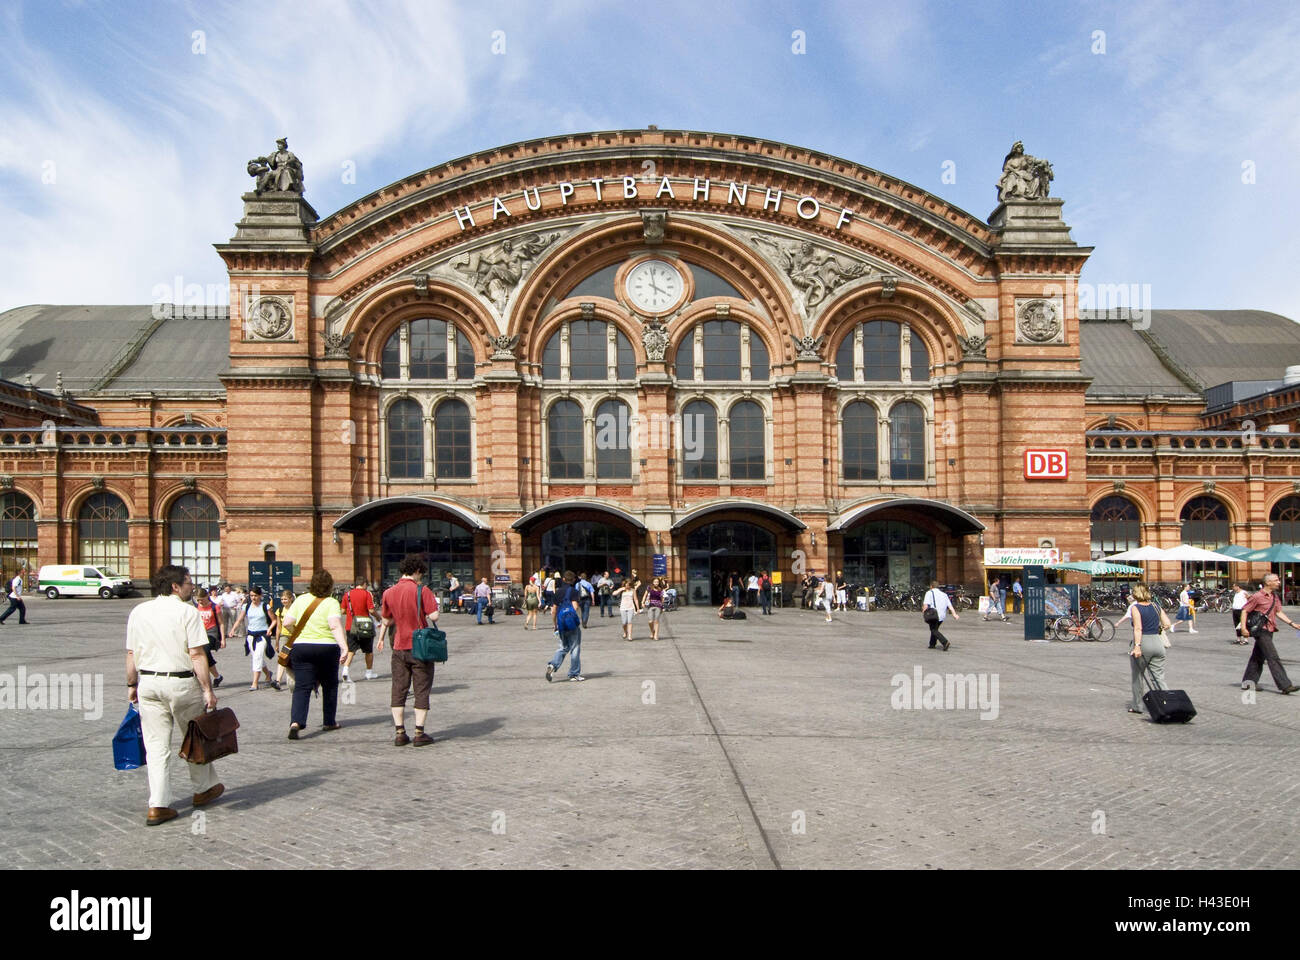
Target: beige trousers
<point>168,703</point>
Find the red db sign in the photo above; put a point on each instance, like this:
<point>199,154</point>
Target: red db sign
<point>1047,464</point>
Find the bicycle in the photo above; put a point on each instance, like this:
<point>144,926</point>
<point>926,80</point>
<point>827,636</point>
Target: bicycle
<point>1091,627</point>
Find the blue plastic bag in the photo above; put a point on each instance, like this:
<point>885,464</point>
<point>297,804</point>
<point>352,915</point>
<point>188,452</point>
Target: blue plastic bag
<point>128,742</point>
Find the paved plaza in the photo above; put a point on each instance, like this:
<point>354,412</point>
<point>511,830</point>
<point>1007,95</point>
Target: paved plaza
<point>770,743</point>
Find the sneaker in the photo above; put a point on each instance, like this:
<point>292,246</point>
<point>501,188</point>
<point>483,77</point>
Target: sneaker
<point>345,675</point>
<point>371,675</point>
<point>550,671</point>
<point>217,682</point>
<point>578,678</point>
<point>1192,631</point>
<point>946,644</point>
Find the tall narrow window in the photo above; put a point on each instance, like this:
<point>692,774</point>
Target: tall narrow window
<point>194,537</point>
<point>405,440</point>
<point>881,351</point>
<point>564,440</point>
<point>907,441</point>
<point>588,359</point>
<point>613,441</point>
<point>721,350</point>
<point>920,359</point>
<point>101,532</point>
<point>747,442</point>
<point>860,453</point>
<point>699,441</point>
<point>452,453</point>
<point>391,361</point>
<point>18,542</point>
<point>759,368</point>
<point>428,349</point>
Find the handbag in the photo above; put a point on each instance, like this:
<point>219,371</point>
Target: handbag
<point>210,737</point>
<point>282,658</point>
<point>128,742</point>
<point>427,643</point>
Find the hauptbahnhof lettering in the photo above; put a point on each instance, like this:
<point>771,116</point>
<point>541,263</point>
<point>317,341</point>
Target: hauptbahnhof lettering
<point>804,361</point>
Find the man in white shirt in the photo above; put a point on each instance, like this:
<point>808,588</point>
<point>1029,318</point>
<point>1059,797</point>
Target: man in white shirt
<point>167,675</point>
<point>937,600</point>
<point>1239,598</point>
<point>16,600</point>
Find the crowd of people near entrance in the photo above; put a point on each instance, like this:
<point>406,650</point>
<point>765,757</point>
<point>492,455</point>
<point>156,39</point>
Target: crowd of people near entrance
<point>308,642</point>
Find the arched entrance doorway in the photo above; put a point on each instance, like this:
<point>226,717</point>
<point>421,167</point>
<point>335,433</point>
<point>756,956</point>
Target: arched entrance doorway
<point>445,546</point>
<point>445,533</point>
<point>587,545</point>
<point>714,551</point>
<point>888,552</point>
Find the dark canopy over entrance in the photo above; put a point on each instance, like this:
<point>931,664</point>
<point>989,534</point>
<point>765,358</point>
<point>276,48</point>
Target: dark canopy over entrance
<point>530,521</point>
<point>787,520</point>
<point>360,519</point>
<point>958,522</point>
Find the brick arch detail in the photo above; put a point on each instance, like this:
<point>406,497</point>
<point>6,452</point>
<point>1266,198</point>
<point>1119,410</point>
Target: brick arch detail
<point>704,311</point>
<point>374,321</point>
<point>79,496</point>
<point>929,318</point>
<point>530,349</point>
<point>169,495</point>
<point>1235,511</point>
<point>1146,510</point>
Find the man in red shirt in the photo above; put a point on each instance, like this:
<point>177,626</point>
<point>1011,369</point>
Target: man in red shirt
<point>1269,606</point>
<point>357,602</point>
<point>406,607</point>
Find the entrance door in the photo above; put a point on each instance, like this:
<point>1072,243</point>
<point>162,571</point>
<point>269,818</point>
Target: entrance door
<point>717,550</point>
<point>888,552</point>
<point>587,545</point>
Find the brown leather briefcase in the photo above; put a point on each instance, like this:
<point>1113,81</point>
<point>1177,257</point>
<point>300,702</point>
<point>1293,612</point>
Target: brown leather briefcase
<point>210,737</point>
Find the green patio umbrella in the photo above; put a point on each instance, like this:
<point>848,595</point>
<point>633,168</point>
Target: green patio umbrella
<point>1099,568</point>
<point>1278,553</point>
<point>1232,550</point>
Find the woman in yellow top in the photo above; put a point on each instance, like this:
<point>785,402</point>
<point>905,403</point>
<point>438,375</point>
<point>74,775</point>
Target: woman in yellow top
<point>317,649</point>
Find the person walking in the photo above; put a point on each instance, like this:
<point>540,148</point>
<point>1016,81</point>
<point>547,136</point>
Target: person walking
<point>548,592</point>
<point>16,599</point>
<point>1185,611</point>
<point>751,589</point>
<point>937,600</point>
<point>210,615</point>
<point>841,591</point>
<point>828,596</point>
<point>225,600</point>
<point>627,605</point>
<point>765,592</point>
<point>586,593</point>
<point>1239,598</point>
<point>605,590</point>
<point>359,605</point>
<point>568,627</point>
<point>318,646</point>
<point>483,601</point>
<point>167,676</point>
<point>654,606</point>
<point>1148,621</point>
<point>406,607</point>
<point>1267,604</point>
<point>1018,592</point>
<point>286,603</point>
<point>733,586</point>
<point>995,602</point>
<point>256,619</point>
<point>532,600</point>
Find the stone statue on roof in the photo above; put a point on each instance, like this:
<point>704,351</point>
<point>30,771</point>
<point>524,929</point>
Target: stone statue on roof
<point>1023,177</point>
<point>281,171</point>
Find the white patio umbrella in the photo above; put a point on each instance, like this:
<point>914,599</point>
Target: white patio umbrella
<point>1193,554</point>
<point>1141,553</point>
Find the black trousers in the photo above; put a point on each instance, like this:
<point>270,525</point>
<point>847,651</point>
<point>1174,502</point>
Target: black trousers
<point>1263,652</point>
<point>314,663</point>
<point>935,635</point>
<point>16,603</point>
<point>765,596</point>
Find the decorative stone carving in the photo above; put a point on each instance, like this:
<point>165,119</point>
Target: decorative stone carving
<point>1023,177</point>
<point>1208,486</point>
<point>588,310</point>
<point>190,483</point>
<point>58,383</point>
<point>97,483</point>
<point>421,281</point>
<point>654,223</point>
<point>503,347</point>
<point>6,482</point>
<point>1039,321</point>
<point>973,348</point>
<point>890,284</point>
<point>814,273</point>
<point>1118,486</point>
<point>809,348</point>
<point>281,171</point>
<point>496,270</point>
<point>338,345</point>
<point>270,318</point>
<point>655,339</point>
<point>722,311</point>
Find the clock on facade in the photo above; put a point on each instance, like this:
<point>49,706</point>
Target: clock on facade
<point>654,286</point>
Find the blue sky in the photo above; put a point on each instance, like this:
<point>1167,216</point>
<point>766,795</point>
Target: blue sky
<point>123,135</point>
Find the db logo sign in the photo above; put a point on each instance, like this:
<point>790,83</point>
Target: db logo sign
<point>1047,464</point>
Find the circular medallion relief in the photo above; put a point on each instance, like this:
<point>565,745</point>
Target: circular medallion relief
<point>269,319</point>
<point>1040,321</point>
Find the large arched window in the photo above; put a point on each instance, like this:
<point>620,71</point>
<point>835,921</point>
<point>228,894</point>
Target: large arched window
<point>589,353</point>
<point>881,351</point>
<point>747,444</point>
<point>699,441</point>
<point>1116,526</point>
<point>881,344</point>
<point>18,542</point>
<point>101,533</point>
<point>452,453</point>
<point>1285,517</point>
<point>721,350</point>
<point>430,345</point>
<point>405,440</point>
<point>613,441</point>
<point>1205,523</point>
<point>194,536</point>
<point>860,454</point>
<point>724,351</point>
<point>907,441</point>
<point>564,441</point>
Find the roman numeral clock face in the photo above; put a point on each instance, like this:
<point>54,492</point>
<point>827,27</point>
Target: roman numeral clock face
<point>654,286</point>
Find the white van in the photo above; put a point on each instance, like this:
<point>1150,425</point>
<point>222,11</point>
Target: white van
<point>82,580</point>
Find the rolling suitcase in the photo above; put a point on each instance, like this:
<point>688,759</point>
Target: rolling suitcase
<point>1166,706</point>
